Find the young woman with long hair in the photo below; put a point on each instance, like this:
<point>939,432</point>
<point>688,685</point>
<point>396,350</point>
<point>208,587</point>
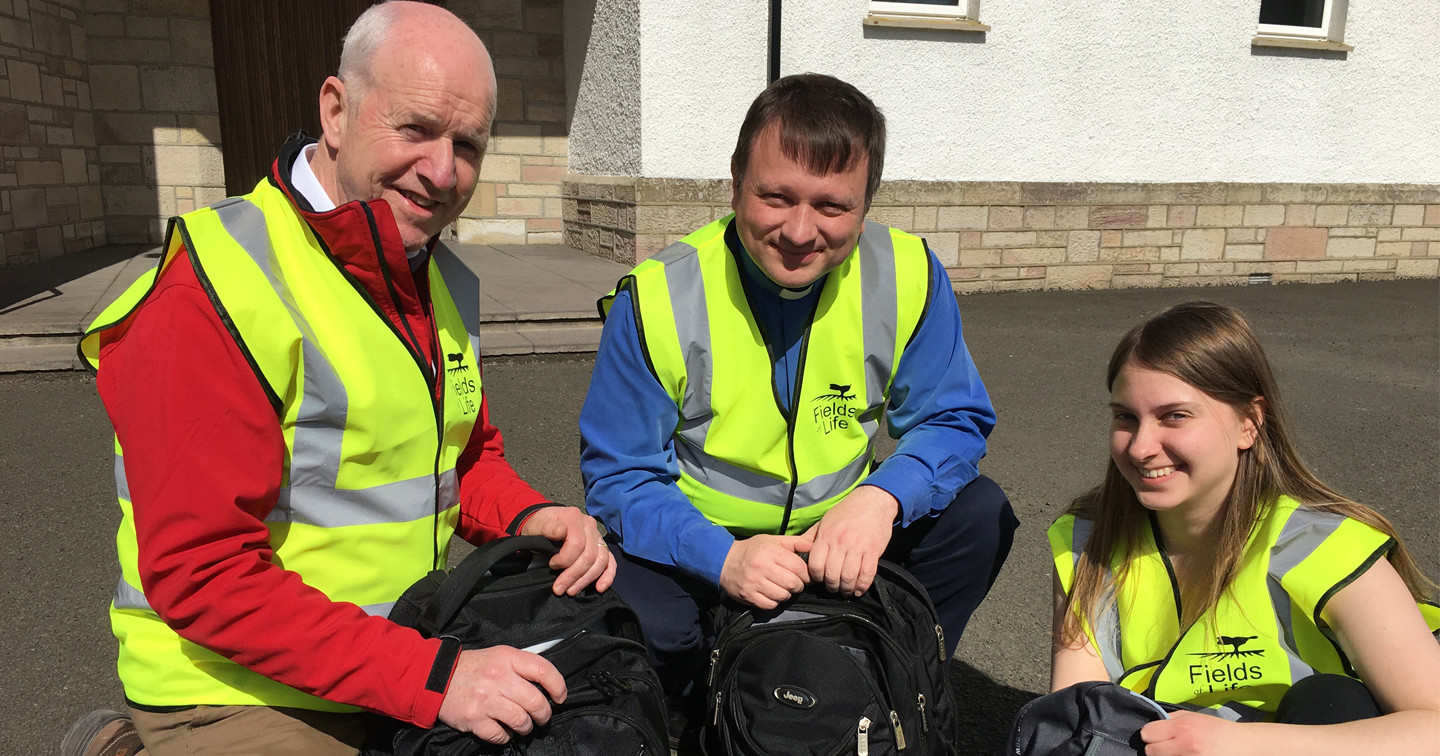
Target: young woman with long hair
<point>1213,572</point>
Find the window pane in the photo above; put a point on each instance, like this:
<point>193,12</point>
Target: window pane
<point>1292,12</point>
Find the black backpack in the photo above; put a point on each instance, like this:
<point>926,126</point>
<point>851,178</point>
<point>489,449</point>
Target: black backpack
<point>829,674</point>
<point>1085,719</point>
<point>501,595</point>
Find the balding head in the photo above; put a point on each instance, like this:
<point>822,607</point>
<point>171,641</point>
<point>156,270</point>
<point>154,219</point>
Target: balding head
<point>409,116</point>
<point>404,23</point>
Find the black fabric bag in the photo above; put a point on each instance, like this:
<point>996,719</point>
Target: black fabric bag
<point>501,595</point>
<point>1085,719</point>
<point>826,674</point>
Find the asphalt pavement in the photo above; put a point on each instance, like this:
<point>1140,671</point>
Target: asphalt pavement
<point>1359,363</point>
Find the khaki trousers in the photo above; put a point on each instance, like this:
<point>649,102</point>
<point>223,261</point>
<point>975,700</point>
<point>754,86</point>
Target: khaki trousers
<point>249,731</point>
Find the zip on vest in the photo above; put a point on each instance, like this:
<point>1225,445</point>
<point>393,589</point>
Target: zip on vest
<point>794,411</point>
<point>1179,609</point>
<point>430,375</point>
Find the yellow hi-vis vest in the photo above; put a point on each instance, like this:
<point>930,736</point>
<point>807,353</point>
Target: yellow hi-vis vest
<point>746,463</point>
<point>369,498</point>
<point>1264,635</point>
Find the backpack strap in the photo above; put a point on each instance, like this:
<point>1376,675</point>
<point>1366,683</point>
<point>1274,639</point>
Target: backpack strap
<point>470,573</point>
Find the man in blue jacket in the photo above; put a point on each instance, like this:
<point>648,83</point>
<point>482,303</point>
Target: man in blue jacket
<point>727,439</point>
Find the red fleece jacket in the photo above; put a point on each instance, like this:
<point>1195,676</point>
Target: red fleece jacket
<point>203,458</point>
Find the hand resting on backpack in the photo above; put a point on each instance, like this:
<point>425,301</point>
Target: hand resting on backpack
<point>498,692</point>
<point>764,570</point>
<point>848,541</point>
<point>583,557</point>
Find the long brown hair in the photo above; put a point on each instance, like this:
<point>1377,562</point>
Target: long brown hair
<point>1211,347</point>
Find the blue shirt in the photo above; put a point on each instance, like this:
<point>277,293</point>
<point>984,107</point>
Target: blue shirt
<point>939,410</point>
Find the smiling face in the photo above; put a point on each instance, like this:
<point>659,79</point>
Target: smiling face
<point>797,225</point>
<point>414,131</point>
<point>1176,446</point>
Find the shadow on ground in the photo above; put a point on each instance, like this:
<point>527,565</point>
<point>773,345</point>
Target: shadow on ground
<point>986,707</point>
<point>27,281</point>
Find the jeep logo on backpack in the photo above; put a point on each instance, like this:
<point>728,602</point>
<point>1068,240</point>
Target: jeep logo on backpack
<point>798,698</point>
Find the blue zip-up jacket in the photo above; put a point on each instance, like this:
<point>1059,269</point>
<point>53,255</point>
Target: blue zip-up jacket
<point>939,410</point>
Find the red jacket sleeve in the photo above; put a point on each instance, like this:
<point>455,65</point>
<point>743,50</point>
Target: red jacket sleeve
<point>203,458</point>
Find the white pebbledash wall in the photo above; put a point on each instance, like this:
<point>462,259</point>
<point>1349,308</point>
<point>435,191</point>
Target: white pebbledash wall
<point>1105,143</point>
<point>1108,90</point>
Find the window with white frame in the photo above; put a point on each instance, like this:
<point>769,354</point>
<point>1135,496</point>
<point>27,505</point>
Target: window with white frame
<point>959,13</point>
<point>1302,20</point>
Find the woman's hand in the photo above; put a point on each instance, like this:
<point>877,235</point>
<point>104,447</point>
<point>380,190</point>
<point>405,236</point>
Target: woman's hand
<point>1187,733</point>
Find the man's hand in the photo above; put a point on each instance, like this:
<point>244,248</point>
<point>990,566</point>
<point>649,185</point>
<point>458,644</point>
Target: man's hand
<point>764,570</point>
<point>583,557</point>
<point>499,692</point>
<point>850,538</point>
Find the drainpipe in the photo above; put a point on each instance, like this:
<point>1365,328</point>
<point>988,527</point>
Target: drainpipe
<point>774,41</point>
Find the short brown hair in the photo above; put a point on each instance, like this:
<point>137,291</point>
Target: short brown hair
<point>825,124</point>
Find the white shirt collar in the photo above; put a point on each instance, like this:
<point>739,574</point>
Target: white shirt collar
<point>302,177</point>
<point>304,181</point>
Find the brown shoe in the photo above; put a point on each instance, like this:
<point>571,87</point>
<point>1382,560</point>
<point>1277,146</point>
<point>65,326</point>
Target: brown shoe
<point>102,733</point>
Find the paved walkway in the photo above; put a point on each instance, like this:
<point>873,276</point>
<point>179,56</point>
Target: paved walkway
<point>537,299</point>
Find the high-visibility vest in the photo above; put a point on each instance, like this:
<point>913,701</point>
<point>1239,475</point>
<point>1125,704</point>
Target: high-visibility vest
<point>369,497</point>
<point>745,462</point>
<point>1265,633</point>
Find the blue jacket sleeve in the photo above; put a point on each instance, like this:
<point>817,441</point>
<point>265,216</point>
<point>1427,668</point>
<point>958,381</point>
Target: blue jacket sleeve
<point>627,458</point>
<point>939,410</point>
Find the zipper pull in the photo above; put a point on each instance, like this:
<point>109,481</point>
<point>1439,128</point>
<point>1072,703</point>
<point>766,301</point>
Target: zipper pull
<point>714,662</point>
<point>862,737</point>
<point>899,731</point>
<point>715,720</point>
<point>924,722</point>
<point>940,638</point>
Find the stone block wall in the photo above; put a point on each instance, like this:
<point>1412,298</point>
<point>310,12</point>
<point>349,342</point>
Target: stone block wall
<point>1006,236</point>
<point>518,198</point>
<point>50,201</point>
<point>152,75</point>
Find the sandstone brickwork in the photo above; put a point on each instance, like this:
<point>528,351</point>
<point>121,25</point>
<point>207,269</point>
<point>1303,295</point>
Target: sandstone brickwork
<point>1009,236</point>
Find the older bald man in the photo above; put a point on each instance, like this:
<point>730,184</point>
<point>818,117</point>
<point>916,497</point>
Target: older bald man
<point>301,427</point>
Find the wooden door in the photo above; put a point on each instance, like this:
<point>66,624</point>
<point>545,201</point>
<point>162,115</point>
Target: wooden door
<point>271,56</point>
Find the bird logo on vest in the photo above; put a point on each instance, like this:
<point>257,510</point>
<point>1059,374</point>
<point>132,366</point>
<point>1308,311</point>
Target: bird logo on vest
<point>832,411</point>
<point>457,375</point>
<point>1234,642</point>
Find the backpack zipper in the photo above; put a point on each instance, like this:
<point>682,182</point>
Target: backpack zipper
<point>862,737</point>
<point>899,731</point>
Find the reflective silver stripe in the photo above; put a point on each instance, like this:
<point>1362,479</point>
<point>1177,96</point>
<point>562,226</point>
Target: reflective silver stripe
<point>401,501</point>
<point>379,610</point>
<point>129,597</point>
<point>122,483</point>
<point>692,326</point>
<point>732,480</point>
<point>463,284</point>
<point>1107,634</point>
<point>1106,627</point>
<point>1079,536</point>
<point>881,317</point>
<point>320,419</point>
<point>1302,535</point>
<point>1285,627</point>
<point>1237,712</point>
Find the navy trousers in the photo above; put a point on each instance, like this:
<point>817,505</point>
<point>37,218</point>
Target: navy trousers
<point>956,555</point>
